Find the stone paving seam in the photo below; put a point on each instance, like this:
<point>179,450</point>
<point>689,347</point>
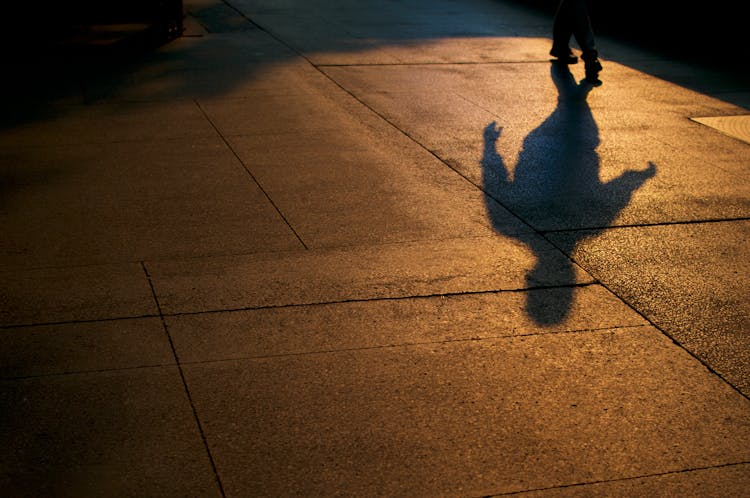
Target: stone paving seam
<point>375,299</point>
<point>73,322</point>
<point>662,330</point>
<point>193,408</point>
<point>251,175</point>
<point>623,479</point>
<point>77,372</point>
<point>645,225</point>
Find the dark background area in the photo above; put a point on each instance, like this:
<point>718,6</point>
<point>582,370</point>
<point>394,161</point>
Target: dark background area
<point>53,15</point>
<point>711,32</point>
<point>36,26</point>
<point>712,35</point>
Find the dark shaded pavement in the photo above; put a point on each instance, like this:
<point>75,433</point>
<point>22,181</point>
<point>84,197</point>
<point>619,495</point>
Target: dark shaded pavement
<point>360,248</point>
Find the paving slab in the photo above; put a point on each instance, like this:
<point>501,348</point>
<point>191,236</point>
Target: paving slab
<point>438,50</point>
<point>126,201</point>
<point>359,273</point>
<point>339,189</point>
<point>691,280</point>
<point>111,433</point>
<point>315,111</point>
<point>731,87</point>
<point>377,241</point>
<point>105,123</point>
<point>191,67</point>
<point>388,322</point>
<point>471,419</point>
<point>82,347</point>
<point>51,295</point>
<point>365,33</point>
<point>560,155</point>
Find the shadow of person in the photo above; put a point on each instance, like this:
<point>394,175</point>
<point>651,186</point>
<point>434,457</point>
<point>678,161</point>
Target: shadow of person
<point>556,186</point>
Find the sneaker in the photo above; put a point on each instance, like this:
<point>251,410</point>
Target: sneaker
<point>563,56</point>
<point>593,67</point>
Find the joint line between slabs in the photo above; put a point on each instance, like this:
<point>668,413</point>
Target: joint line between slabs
<point>85,372</point>
<point>184,381</point>
<point>669,335</point>
<point>381,299</point>
<point>73,322</point>
<point>163,315</point>
<point>646,225</point>
<point>623,479</point>
<point>250,174</point>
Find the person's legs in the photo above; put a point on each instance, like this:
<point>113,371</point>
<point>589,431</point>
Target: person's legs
<point>562,30</point>
<point>584,35</point>
<point>580,25</point>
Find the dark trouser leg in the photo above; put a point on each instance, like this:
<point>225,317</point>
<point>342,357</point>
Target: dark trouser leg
<point>562,28</point>
<point>581,27</point>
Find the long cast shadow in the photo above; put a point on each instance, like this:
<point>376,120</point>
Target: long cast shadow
<point>556,186</point>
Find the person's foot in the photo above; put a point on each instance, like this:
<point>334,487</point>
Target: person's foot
<point>563,56</point>
<point>592,67</point>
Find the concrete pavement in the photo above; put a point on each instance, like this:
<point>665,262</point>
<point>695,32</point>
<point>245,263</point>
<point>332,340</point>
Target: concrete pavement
<point>366,248</point>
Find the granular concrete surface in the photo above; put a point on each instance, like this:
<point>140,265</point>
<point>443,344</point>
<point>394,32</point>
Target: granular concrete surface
<point>373,248</point>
